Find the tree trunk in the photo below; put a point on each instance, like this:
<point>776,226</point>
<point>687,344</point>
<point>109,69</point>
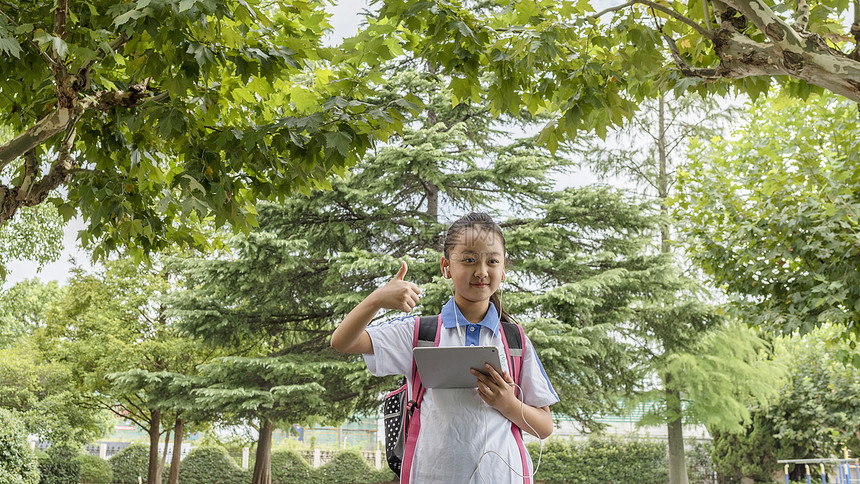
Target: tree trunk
<point>163,455</point>
<point>663,181</point>
<point>263,465</point>
<point>153,475</point>
<point>179,433</point>
<point>677,459</point>
<point>432,201</point>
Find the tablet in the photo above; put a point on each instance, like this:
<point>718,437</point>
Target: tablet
<point>448,366</point>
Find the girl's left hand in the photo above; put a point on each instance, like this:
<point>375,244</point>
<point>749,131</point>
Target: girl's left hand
<point>496,390</point>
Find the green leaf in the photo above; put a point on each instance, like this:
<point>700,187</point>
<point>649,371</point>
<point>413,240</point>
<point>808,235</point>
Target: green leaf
<point>193,184</point>
<point>185,5</point>
<point>60,47</point>
<point>11,47</point>
<point>67,211</point>
<point>339,141</point>
<point>124,18</point>
<point>304,99</point>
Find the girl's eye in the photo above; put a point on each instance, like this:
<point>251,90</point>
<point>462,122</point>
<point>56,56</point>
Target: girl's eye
<point>469,260</point>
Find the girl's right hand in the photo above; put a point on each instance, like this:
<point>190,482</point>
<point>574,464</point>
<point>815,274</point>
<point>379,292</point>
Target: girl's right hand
<point>397,293</point>
<point>350,336</point>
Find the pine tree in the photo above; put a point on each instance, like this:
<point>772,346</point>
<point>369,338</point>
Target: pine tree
<point>576,269</point>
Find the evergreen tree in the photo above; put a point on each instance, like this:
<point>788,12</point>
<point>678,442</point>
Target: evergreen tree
<point>576,269</point>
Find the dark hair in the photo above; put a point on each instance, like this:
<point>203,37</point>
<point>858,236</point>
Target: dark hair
<point>482,221</point>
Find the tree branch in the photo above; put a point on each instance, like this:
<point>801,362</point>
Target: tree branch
<point>61,14</point>
<point>668,11</point>
<point>118,413</point>
<point>855,31</point>
<point>686,69</point>
<point>776,30</point>
<point>802,16</point>
<point>31,169</point>
<point>59,119</point>
<point>706,14</point>
<point>55,122</point>
<point>61,73</point>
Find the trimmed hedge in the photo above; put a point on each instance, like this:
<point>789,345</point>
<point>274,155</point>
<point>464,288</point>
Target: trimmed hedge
<point>60,466</point>
<point>211,465</point>
<point>601,461</point>
<point>347,466</point>
<point>95,470</point>
<point>129,463</point>
<point>288,467</point>
<point>383,475</point>
<point>18,464</point>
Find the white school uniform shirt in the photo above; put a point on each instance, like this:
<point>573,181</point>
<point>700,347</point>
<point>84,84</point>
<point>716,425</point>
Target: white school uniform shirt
<point>457,427</point>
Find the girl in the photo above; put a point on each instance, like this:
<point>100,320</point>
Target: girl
<point>465,434</point>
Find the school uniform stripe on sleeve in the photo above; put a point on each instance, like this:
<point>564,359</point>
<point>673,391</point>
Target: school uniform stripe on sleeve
<point>543,372</point>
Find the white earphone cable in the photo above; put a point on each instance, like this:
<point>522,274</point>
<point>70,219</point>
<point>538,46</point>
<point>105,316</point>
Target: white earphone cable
<point>484,451</point>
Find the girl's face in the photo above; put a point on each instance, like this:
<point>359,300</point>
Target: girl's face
<point>476,265</point>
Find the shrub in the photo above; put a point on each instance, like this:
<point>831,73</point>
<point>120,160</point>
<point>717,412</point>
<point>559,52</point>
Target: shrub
<point>700,468</point>
<point>211,465</point>
<point>383,475</point>
<point>94,470</point>
<point>288,467</point>
<point>129,463</point>
<point>602,461</point>
<point>346,466</point>
<point>554,460</point>
<point>60,465</point>
<point>18,464</point>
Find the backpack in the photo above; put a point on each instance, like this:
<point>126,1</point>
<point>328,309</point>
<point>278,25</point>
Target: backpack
<point>401,430</point>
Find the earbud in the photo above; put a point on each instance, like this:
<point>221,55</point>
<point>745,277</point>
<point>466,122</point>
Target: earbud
<point>447,272</point>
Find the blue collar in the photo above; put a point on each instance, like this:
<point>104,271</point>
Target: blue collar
<point>490,321</point>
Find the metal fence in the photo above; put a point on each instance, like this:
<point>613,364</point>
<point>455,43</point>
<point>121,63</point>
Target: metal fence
<point>834,471</point>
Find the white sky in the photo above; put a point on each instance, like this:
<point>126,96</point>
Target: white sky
<point>345,21</point>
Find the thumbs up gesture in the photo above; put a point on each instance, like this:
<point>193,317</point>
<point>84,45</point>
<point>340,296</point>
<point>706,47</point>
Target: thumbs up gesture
<point>398,293</point>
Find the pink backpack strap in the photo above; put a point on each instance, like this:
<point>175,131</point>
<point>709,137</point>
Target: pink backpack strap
<point>417,396</point>
<point>517,363</point>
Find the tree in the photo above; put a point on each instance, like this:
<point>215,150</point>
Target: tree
<point>679,322</point>
<point>168,397</point>
<point>148,118</point>
<point>23,309</point>
<point>36,235</point>
<point>38,389</point>
<point>772,215</point>
<point>19,464</point>
<point>814,416</point>
<point>577,268</point>
<point>42,393</point>
<point>112,331</point>
<point>594,68</point>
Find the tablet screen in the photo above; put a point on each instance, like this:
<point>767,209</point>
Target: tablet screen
<point>448,366</point>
